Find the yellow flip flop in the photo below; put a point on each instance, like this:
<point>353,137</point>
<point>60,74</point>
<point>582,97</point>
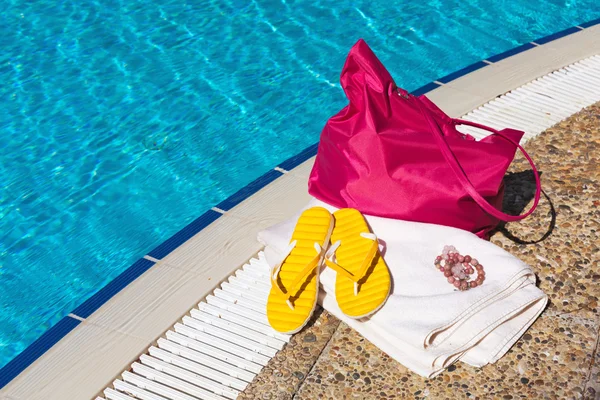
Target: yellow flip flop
<point>295,280</point>
<point>363,280</point>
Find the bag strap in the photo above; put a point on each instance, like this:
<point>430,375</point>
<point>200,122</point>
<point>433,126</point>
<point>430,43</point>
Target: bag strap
<point>462,176</point>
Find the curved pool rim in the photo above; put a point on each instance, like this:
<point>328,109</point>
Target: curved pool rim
<point>67,324</point>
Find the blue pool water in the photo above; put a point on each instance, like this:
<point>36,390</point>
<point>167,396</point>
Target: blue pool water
<point>123,120</point>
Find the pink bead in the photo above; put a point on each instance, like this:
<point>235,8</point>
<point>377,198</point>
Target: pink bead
<point>438,259</point>
<point>474,262</point>
<point>457,270</point>
<point>451,280</point>
<point>461,259</point>
<point>473,284</point>
<point>467,258</point>
<point>447,274</point>
<point>457,283</point>
<point>470,270</point>
<point>442,269</point>
<point>479,267</point>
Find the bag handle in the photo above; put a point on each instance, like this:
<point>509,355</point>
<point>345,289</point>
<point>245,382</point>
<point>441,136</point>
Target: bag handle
<point>462,176</point>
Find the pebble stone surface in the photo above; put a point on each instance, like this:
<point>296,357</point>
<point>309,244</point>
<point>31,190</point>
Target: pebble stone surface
<point>282,377</point>
<point>557,358</point>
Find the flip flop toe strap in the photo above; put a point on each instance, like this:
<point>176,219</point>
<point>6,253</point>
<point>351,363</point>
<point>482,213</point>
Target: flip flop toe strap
<point>368,260</point>
<point>288,293</point>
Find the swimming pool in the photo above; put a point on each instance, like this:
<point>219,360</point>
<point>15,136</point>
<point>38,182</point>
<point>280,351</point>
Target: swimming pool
<point>123,121</point>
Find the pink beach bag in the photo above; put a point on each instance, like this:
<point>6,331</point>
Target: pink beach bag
<point>394,155</point>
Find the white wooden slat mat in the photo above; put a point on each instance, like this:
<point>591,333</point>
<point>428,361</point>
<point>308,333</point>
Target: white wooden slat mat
<point>540,104</point>
<point>219,347</point>
<point>215,351</point>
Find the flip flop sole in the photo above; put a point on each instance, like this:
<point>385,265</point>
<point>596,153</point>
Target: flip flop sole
<point>314,226</point>
<point>374,287</point>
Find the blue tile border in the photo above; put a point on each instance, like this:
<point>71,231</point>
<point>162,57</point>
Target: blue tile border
<point>36,349</point>
<point>556,35</point>
<point>462,72</point>
<point>113,287</point>
<point>510,53</point>
<point>248,190</point>
<point>590,23</point>
<point>424,89</point>
<point>299,158</point>
<point>183,235</point>
<point>67,324</point>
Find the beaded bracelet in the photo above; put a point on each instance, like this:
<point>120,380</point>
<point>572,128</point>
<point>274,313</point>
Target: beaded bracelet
<point>458,268</point>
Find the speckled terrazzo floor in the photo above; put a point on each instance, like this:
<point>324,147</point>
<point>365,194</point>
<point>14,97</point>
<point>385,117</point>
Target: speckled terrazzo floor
<point>558,356</point>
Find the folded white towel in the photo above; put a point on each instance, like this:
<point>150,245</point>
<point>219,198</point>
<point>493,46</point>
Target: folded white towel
<point>426,324</point>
